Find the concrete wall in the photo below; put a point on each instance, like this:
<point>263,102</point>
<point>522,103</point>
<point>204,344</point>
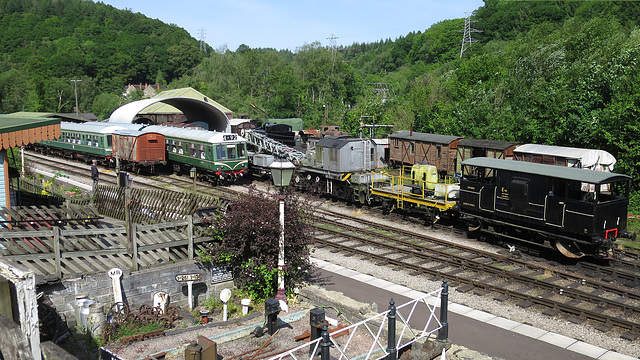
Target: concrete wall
<point>138,288</point>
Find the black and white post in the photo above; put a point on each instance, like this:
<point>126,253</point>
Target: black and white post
<point>281,173</point>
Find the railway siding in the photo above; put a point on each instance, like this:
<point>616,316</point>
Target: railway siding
<point>477,271</point>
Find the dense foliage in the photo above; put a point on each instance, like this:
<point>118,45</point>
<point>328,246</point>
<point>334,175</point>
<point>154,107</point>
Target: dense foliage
<point>247,241</point>
<point>552,72</point>
<point>47,43</point>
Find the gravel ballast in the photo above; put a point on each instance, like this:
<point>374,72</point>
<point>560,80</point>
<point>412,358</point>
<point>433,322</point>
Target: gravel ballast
<point>584,332</point>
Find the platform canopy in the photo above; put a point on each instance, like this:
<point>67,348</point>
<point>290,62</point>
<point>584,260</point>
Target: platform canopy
<point>195,111</point>
<point>18,131</point>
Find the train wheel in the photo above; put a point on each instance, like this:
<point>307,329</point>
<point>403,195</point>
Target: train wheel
<point>475,225</point>
<point>568,249</point>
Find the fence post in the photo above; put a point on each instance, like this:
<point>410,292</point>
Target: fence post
<point>127,220</point>
<point>134,242</point>
<point>56,249</point>
<point>443,333</point>
<point>325,344</point>
<point>190,235</point>
<point>391,338</point>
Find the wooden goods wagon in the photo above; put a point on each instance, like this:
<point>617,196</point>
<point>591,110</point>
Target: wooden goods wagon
<point>497,149</point>
<point>139,149</point>
<point>410,147</point>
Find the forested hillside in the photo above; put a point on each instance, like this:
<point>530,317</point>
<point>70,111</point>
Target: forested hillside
<point>551,72</point>
<point>46,43</point>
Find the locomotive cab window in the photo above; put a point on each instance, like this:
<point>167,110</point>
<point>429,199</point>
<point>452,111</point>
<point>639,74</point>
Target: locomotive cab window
<point>241,150</point>
<point>231,151</point>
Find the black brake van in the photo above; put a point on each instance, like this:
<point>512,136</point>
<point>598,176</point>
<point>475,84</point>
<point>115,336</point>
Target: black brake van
<point>580,212</point>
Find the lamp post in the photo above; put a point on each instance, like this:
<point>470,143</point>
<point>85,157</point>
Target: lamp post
<point>192,173</point>
<point>281,173</point>
<point>75,91</point>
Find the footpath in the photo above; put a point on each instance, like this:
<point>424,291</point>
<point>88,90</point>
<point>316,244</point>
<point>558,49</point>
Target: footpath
<point>485,333</point>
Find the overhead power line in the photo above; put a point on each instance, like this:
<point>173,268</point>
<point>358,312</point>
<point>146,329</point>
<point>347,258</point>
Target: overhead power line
<point>466,37</point>
<point>203,45</point>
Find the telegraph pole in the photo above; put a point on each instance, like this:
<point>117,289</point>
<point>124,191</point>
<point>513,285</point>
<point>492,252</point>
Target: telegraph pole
<point>75,91</point>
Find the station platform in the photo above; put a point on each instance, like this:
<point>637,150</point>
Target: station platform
<point>477,330</point>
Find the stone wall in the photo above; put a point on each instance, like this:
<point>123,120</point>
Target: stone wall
<point>137,287</point>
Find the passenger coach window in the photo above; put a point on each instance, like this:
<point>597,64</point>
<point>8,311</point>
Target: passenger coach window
<point>201,148</point>
<point>193,151</point>
<point>221,152</point>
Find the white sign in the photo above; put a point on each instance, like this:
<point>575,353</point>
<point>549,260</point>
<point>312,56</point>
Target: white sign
<point>188,277</point>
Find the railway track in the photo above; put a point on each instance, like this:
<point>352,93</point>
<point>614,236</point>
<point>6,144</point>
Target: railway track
<point>477,271</point>
<point>76,169</point>
<point>471,270</point>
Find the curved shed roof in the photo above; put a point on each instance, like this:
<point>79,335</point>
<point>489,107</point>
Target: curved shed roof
<point>193,109</point>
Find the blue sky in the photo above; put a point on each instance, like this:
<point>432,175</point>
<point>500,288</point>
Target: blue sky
<point>289,24</point>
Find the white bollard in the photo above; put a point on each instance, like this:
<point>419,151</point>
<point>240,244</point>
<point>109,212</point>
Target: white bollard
<point>160,300</point>
<point>245,306</point>
<point>225,295</point>
<point>190,294</point>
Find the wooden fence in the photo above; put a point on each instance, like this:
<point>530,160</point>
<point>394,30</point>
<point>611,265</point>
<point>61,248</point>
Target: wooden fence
<point>152,206</point>
<point>67,251</point>
<point>159,227</point>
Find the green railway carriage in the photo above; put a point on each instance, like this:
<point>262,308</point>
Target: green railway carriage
<point>85,141</point>
<point>218,157</point>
